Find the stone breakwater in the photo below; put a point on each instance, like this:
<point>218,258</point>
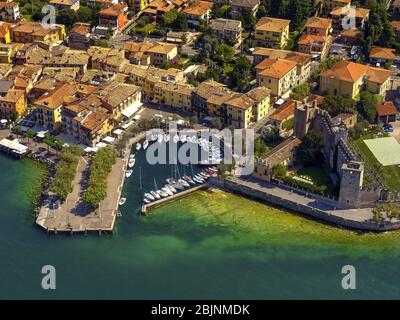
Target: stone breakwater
<point>358,219</point>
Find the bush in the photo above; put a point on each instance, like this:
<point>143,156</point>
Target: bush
<point>101,165</point>
<point>61,185</point>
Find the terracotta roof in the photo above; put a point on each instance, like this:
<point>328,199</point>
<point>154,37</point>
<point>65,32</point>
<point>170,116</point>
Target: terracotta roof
<point>240,101</point>
<point>396,25</point>
<point>81,28</point>
<point>310,39</point>
<point>94,120</point>
<point>386,108</point>
<point>259,93</point>
<point>34,28</point>
<point>350,33</point>
<point>57,96</point>
<point>272,24</point>
<point>245,3</point>
<point>346,71</point>
<point>345,11</point>
<point>378,75</point>
<point>4,28</point>
<point>8,5</point>
<point>284,112</point>
<point>382,53</point>
<point>199,8</point>
<point>320,23</point>
<point>298,57</point>
<point>114,10</point>
<point>13,95</point>
<point>279,153</point>
<point>62,2</point>
<point>275,68</point>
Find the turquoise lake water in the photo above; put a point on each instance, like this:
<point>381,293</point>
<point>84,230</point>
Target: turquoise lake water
<point>208,245</point>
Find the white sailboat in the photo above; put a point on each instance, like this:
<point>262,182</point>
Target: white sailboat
<point>170,187</point>
<point>160,138</point>
<point>155,194</point>
<point>128,173</point>
<point>183,138</point>
<point>131,162</point>
<point>145,144</point>
<point>138,146</point>
<point>166,190</point>
<point>132,156</point>
<point>176,138</point>
<point>145,200</point>
<point>149,196</point>
<point>166,137</point>
<point>122,201</point>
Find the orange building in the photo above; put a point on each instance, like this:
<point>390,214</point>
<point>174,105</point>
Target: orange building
<point>114,17</point>
<point>13,104</point>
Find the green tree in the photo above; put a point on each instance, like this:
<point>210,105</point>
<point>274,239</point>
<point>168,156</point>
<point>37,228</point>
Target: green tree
<point>240,76</point>
<point>84,14</point>
<point>66,17</point>
<point>279,171</point>
<point>338,104</point>
<point>217,124</point>
<point>309,151</point>
<point>300,92</point>
<point>260,147</point>
<point>366,106</point>
<point>169,18</point>
<point>29,134</point>
<point>269,133</point>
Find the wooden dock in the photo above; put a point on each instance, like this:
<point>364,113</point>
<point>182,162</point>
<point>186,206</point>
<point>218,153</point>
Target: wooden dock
<point>175,196</point>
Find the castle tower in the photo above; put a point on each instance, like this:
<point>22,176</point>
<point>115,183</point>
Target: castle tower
<point>351,183</point>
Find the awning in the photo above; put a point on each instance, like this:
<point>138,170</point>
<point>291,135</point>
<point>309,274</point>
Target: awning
<point>118,132</point>
<point>101,145</point>
<point>132,109</point>
<point>137,117</point>
<point>41,134</point>
<point>127,125</point>
<point>109,139</point>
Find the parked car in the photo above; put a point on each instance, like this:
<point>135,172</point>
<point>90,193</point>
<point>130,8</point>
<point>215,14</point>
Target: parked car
<point>388,127</point>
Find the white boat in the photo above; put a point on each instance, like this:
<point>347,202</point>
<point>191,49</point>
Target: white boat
<point>198,180</point>
<point>131,162</point>
<point>183,138</point>
<point>119,214</point>
<point>176,138</point>
<point>149,196</point>
<point>155,194</point>
<point>162,193</point>
<point>170,187</point>
<point>132,156</point>
<point>153,137</point>
<point>160,138</point>
<point>128,173</point>
<point>188,179</point>
<point>122,201</point>
<point>165,189</point>
<point>145,144</point>
<point>184,183</point>
<point>166,137</point>
<point>138,146</point>
<point>199,177</point>
<point>146,200</point>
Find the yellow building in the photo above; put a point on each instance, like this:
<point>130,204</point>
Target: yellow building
<point>349,78</point>
<point>50,104</point>
<point>13,104</point>
<point>176,95</point>
<point>279,75</point>
<point>155,53</point>
<point>5,32</point>
<point>29,31</point>
<point>272,32</point>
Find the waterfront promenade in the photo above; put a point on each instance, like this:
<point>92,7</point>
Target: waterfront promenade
<point>74,216</point>
<point>310,205</point>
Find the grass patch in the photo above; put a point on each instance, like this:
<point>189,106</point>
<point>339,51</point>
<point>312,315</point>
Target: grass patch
<point>390,174</point>
<point>147,29</point>
<point>288,124</point>
<point>317,175</point>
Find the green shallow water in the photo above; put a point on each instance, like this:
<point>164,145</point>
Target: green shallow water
<point>207,245</point>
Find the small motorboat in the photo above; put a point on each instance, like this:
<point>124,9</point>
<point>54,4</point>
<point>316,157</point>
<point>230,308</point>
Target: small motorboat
<point>119,214</point>
<point>168,191</point>
<point>160,138</point>
<point>128,173</point>
<point>155,194</point>
<point>149,196</point>
<point>122,201</point>
<point>131,162</point>
<point>198,177</point>
<point>132,156</point>
<point>162,193</point>
<point>176,138</point>
<point>145,144</point>
<point>183,138</point>
<point>138,146</point>
<point>184,183</point>
<point>170,187</point>
<point>198,180</point>
<point>153,137</point>
<point>146,200</point>
<point>188,179</point>
<point>166,137</point>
